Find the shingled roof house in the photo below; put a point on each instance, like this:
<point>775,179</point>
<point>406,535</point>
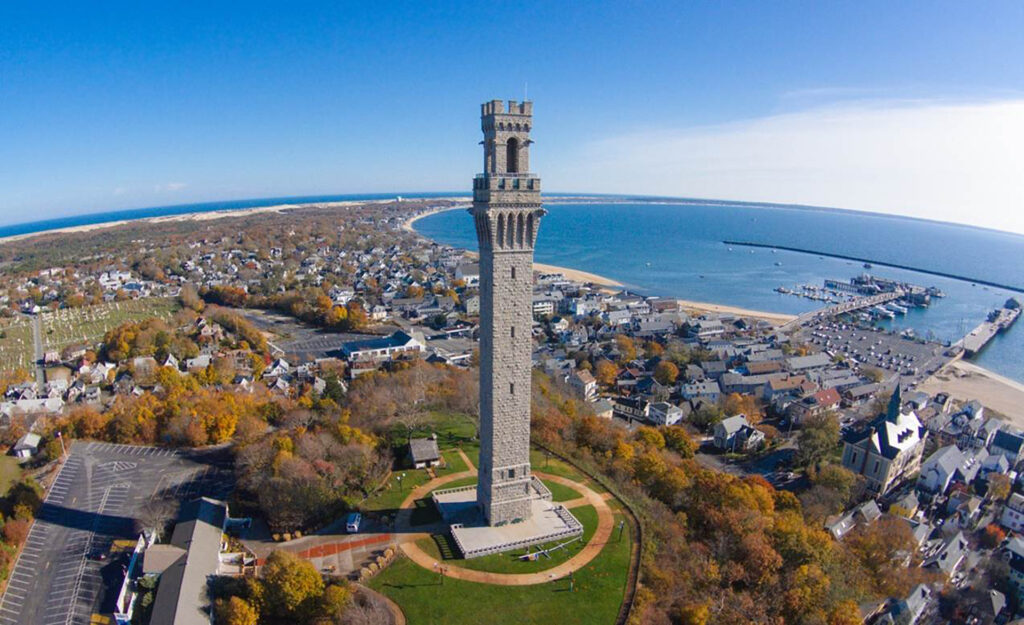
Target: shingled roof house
<point>889,449</point>
<point>423,452</point>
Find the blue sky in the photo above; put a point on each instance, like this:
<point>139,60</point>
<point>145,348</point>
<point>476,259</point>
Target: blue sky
<point>107,105</point>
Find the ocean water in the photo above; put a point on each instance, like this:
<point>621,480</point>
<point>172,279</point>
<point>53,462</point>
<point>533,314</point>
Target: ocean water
<point>677,250</point>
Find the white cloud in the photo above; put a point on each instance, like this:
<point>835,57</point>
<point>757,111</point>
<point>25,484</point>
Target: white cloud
<point>951,161</point>
<point>120,190</point>
<point>169,187</point>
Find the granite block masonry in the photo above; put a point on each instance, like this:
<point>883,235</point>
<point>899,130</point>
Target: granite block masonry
<point>507,213</point>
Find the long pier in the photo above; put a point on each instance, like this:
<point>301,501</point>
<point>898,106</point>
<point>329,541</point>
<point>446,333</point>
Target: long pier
<point>854,304</point>
<point>979,337</point>
<point>1008,287</point>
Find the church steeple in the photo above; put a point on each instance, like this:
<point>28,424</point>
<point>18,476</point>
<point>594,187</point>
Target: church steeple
<point>895,403</point>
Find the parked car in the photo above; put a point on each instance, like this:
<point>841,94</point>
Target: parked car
<point>353,522</point>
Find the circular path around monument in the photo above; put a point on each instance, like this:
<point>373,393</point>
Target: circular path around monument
<point>605,523</point>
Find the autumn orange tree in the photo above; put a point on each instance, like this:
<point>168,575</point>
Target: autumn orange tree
<point>605,372</point>
<point>626,347</point>
<point>666,373</point>
<point>740,403</point>
<point>725,549</point>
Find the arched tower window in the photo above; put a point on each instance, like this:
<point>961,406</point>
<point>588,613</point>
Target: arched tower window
<point>512,158</point>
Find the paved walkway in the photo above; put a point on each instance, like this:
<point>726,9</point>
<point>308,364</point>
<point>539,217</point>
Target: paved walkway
<point>605,523</point>
<point>342,553</point>
<point>465,458</point>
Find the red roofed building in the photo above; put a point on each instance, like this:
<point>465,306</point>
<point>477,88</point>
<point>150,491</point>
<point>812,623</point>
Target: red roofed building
<point>814,404</point>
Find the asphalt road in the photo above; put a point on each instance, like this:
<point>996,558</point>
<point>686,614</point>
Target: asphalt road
<point>93,501</point>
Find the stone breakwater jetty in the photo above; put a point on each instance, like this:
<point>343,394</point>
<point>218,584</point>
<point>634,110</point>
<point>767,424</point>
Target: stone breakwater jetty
<point>941,274</point>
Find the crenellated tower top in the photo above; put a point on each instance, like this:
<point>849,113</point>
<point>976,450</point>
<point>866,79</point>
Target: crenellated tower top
<point>506,136</point>
<point>506,197</point>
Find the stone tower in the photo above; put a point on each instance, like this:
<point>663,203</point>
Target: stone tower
<point>507,212</point>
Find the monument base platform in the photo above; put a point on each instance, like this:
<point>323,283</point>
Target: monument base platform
<point>548,522</point>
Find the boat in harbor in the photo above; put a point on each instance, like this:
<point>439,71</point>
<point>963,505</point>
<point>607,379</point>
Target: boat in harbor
<point>878,311</point>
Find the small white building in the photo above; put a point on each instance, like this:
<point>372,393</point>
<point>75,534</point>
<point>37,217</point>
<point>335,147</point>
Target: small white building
<point>664,413</point>
<point>27,446</point>
<point>584,384</point>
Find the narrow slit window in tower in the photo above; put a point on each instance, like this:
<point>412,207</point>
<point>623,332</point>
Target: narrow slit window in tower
<point>513,331</point>
<point>513,273</point>
<point>511,388</point>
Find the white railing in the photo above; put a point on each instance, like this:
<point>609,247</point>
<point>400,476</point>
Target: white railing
<point>538,486</point>
<point>575,529</point>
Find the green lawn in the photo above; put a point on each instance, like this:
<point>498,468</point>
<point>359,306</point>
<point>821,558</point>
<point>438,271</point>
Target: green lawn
<point>599,590</point>
<point>509,562</point>
<point>540,461</point>
<point>452,428</point>
<point>10,471</point>
<point>392,494</point>
<point>561,492</point>
<point>453,463</point>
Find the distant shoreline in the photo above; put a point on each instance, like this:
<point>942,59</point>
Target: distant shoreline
<point>202,216</point>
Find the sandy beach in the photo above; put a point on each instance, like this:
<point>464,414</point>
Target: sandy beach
<point>702,307</point>
<point>576,274</point>
<point>407,226</point>
<point>965,381</point>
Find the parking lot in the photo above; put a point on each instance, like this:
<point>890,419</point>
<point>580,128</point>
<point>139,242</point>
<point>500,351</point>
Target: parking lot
<point>891,353</point>
<point>300,340</point>
<point>62,576</point>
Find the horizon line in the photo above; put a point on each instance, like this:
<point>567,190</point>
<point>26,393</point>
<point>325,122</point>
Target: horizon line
<point>24,228</point>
